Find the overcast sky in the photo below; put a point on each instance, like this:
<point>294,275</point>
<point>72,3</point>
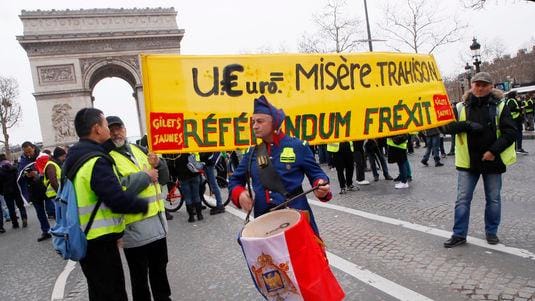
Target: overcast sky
<point>239,26</point>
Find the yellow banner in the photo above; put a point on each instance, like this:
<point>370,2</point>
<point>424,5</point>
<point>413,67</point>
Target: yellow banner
<point>204,103</point>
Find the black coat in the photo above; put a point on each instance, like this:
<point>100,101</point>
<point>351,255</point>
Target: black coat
<point>8,180</point>
<point>478,110</point>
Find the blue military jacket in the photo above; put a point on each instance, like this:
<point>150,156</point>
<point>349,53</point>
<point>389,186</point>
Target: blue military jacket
<point>292,159</point>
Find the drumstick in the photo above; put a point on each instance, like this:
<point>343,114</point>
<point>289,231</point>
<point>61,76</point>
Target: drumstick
<point>288,201</point>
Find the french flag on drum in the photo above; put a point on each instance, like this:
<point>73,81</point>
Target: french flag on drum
<point>286,260</point>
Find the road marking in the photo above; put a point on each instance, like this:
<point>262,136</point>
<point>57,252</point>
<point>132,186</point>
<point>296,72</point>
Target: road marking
<point>61,281</point>
<point>425,229</point>
<point>391,288</point>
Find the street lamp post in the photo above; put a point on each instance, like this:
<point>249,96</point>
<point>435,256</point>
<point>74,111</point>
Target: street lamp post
<point>476,54</point>
<point>468,70</point>
<point>368,26</point>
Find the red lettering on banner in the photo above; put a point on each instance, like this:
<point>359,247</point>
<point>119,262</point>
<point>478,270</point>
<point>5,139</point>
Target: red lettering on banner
<point>442,107</point>
<point>167,131</point>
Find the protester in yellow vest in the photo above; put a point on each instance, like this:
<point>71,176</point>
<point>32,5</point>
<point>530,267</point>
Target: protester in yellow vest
<point>397,153</point>
<point>484,145</point>
<point>343,161</point>
<point>144,241</point>
<point>515,106</point>
<point>96,182</point>
<point>528,109</point>
<point>52,172</point>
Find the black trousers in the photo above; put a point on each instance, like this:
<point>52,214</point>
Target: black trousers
<point>343,161</point>
<point>360,163</point>
<point>148,263</point>
<point>103,270</point>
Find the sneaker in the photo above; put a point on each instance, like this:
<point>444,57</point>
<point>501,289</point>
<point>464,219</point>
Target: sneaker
<point>522,151</point>
<point>351,188</point>
<point>363,182</point>
<point>492,239</point>
<point>409,178</point>
<point>217,210</point>
<point>397,179</point>
<point>375,179</point>
<point>438,164</point>
<point>389,178</point>
<point>443,156</point>
<point>454,241</point>
<point>44,236</point>
<point>15,225</point>
<point>451,154</point>
<point>342,191</point>
<point>424,163</point>
<point>24,223</point>
<point>401,185</point>
<point>2,230</point>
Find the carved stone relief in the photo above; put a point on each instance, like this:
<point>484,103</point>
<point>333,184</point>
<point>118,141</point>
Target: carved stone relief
<point>81,47</point>
<point>63,122</point>
<point>58,74</point>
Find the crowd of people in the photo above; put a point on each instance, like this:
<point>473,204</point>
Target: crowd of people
<point>124,186</point>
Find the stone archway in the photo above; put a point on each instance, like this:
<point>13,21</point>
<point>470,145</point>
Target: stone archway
<point>70,51</point>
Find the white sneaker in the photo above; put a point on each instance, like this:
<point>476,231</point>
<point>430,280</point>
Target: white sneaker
<point>363,182</point>
<point>401,185</point>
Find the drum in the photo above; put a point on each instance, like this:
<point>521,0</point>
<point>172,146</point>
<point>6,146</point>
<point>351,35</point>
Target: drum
<point>286,259</point>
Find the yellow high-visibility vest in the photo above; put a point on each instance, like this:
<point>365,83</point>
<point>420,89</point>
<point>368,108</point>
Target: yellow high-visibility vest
<point>50,192</point>
<point>105,222</point>
<point>152,193</point>
<point>462,155</point>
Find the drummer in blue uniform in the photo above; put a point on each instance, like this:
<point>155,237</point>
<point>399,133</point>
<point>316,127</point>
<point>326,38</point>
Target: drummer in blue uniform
<point>277,167</point>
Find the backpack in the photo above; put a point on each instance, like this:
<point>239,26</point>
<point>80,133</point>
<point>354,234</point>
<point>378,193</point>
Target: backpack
<point>68,239</point>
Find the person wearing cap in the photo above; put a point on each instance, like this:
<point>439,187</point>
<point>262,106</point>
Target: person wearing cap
<point>52,173</point>
<point>144,240</point>
<point>283,159</point>
<point>97,182</point>
<point>484,145</point>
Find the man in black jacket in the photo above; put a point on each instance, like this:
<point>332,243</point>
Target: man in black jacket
<point>484,138</point>
<point>12,194</point>
<point>102,265</point>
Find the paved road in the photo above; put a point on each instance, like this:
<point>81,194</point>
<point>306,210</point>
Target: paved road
<point>391,242</point>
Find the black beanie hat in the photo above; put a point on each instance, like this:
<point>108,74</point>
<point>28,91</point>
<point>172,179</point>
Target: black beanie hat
<point>58,152</point>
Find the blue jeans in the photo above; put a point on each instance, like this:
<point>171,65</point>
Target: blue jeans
<point>190,190</point>
<point>50,207</point>
<point>433,145</point>
<point>466,184</point>
<point>210,175</point>
<point>39,206</point>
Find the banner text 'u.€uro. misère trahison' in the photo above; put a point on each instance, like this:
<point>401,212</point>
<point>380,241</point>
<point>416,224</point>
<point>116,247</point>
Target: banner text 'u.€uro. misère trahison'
<point>205,103</point>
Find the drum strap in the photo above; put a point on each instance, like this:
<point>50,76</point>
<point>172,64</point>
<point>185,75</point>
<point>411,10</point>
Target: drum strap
<point>269,177</point>
<point>248,177</point>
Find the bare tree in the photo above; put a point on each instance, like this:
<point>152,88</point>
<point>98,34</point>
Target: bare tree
<point>420,26</point>
<point>9,108</point>
<point>336,32</point>
<point>493,50</point>
<point>479,4</point>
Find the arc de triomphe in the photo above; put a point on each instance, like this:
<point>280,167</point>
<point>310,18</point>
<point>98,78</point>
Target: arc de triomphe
<point>70,51</point>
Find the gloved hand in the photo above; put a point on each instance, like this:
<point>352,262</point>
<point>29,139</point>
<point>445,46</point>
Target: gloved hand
<point>469,127</point>
<point>474,127</point>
